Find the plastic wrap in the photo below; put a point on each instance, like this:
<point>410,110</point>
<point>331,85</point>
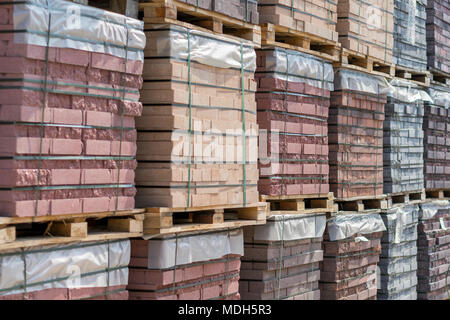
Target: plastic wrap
<point>292,65</point>
<point>359,81</point>
<point>405,91</point>
<point>65,266</point>
<point>289,227</point>
<point>78,27</point>
<point>399,218</point>
<point>212,50</point>
<point>346,225</point>
<point>440,96</point>
<point>429,209</point>
<point>193,248</point>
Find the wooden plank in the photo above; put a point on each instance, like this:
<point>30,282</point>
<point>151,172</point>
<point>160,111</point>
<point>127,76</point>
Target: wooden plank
<point>294,205</point>
<point>126,225</point>
<point>301,196</point>
<point>74,229</point>
<point>7,234</point>
<point>217,216</point>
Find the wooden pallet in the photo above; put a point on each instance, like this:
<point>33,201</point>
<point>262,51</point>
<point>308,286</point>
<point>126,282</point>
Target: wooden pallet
<point>421,78</point>
<point>279,36</point>
<point>354,60</point>
<point>437,194</point>
<point>300,204</point>
<point>404,198</point>
<point>366,204</point>
<point>159,221</point>
<point>438,77</point>
<point>192,17</point>
<point>32,231</point>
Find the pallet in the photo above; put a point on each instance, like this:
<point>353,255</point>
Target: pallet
<point>67,228</point>
<point>366,204</point>
<point>300,204</point>
<point>421,78</point>
<point>192,17</point>
<point>350,59</point>
<point>437,194</point>
<point>438,77</point>
<point>399,199</point>
<point>160,221</point>
<point>279,36</point>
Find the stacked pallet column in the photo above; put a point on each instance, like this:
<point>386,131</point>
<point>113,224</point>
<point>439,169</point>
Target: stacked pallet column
<point>398,262</point>
<point>200,266</point>
<point>434,251</point>
<point>438,36</point>
<point>351,251</point>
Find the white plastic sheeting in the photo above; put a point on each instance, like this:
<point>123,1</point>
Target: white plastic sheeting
<point>65,266</point>
<point>400,217</point>
<point>359,81</point>
<point>212,50</point>
<point>78,27</point>
<point>194,248</point>
<point>289,227</point>
<point>429,209</point>
<point>406,91</point>
<point>346,225</point>
<point>440,96</point>
<point>293,65</point>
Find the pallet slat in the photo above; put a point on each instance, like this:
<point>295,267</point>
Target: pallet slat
<point>300,204</point>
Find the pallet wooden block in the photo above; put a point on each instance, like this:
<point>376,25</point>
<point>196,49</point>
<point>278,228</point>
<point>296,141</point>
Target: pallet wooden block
<point>437,194</point>
<point>351,59</point>
<point>300,204</point>
<point>404,198</point>
<point>422,78</point>
<point>367,204</point>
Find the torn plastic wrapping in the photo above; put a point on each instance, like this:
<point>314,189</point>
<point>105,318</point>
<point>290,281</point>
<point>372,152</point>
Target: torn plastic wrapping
<point>302,68</point>
<point>430,209</point>
<point>212,50</point>
<point>65,266</point>
<point>406,91</point>
<point>346,225</point>
<point>440,96</point>
<point>166,253</point>
<point>289,227</point>
<point>399,218</point>
<point>78,27</point>
<point>359,81</point>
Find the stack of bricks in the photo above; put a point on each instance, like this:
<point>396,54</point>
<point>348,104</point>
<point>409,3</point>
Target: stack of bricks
<point>318,18</point>
<point>438,35</point>
<point>88,271</point>
<point>403,139</point>
<point>281,269</point>
<point>410,43</point>
<point>398,261</point>
<point>367,27</point>
<point>199,121</point>
<point>355,138</point>
<point>67,139</point>
<point>434,251</point>
<point>349,267</point>
<point>293,102</point>
<point>436,127</point>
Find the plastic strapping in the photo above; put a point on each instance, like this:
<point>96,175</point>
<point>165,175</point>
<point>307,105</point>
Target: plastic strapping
<point>174,286</point>
<point>227,267</point>
<point>190,117</point>
<point>44,103</point>
<point>107,271</point>
<point>292,8</point>
<point>281,260</point>
<point>283,183</point>
<point>244,149</point>
<point>359,22</point>
<point>246,10</point>
<point>376,153</point>
<point>24,259</point>
<point>386,33</point>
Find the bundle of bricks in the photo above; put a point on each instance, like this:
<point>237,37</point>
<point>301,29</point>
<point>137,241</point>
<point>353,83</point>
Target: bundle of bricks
<point>355,138</point>
<point>436,126</point>
<point>410,40</point>
<point>398,261</point>
<point>293,99</point>
<point>197,138</point>
<point>281,259</point>
<point>434,251</point>
<point>67,107</point>
<point>351,250</point>
<point>403,138</point>
<point>87,271</point>
<point>317,18</point>
<point>367,27</point>
<point>438,35</point>
<point>193,267</point>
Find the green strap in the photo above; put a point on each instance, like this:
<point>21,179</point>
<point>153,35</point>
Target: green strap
<point>246,11</point>
<point>190,118</point>
<point>244,149</point>
<point>359,22</point>
<point>281,259</point>
<point>386,33</point>
<point>174,286</point>
<point>25,295</point>
<point>283,183</point>
<point>292,8</point>
<point>227,266</point>
<point>107,272</point>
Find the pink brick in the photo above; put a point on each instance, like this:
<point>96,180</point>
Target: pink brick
<point>65,176</point>
<point>98,147</point>
<point>95,118</point>
<point>67,116</point>
<point>65,206</point>
<point>309,149</point>
<point>211,292</point>
<point>97,204</point>
<point>193,295</point>
<point>127,149</point>
<point>66,147</point>
<point>26,208</point>
<point>214,268</point>
<point>74,57</point>
<point>195,272</point>
<point>96,176</point>
<point>309,128</point>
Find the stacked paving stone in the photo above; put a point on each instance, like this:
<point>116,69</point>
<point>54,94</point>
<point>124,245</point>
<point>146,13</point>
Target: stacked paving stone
<point>351,249</point>
<point>199,120</point>
<point>398,260</point>
<point>438,35</point>
<point>410,43</point>
<point>88,271</point>
<point>434,251</point>
<point>436,126</point>
<point>293,99</point>
<point>367,27</point>
<point>403,138</point>
<point>186,267</point>
<point>314,17</point>
<point>355,126</point>
<point>281,259</point>
<point>67,109</point>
